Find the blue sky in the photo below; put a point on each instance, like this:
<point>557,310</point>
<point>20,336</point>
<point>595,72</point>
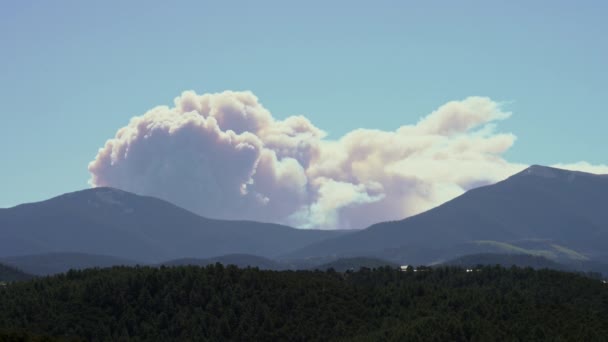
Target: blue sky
<point>73,72</point>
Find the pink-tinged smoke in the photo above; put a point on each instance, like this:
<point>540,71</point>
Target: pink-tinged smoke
<point>224,156</point>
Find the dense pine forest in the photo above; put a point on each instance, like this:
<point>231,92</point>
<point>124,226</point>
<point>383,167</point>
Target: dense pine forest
<point>227,303</point>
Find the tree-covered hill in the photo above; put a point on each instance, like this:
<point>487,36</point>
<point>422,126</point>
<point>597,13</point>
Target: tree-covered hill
<point>527,260</point>
<point>227,303</point>
<point>8,273</point>
<point>507,260</point>
<point>53,263</point>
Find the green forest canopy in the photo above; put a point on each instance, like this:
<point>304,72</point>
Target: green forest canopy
<point>227,303</point>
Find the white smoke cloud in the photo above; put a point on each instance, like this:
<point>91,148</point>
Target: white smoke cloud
<point>223,155</point>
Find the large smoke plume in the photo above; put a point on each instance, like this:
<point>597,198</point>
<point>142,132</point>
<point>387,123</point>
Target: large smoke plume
<point>224,156</point>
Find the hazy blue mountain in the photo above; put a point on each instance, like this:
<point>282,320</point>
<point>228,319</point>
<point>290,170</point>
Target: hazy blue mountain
<point>53,263</point>
<point>566,210</point>
<point>9,273</point>
<point>107,221</point>
<point>240,260</point>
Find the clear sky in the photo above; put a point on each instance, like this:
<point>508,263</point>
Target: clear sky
<point>73,72</point>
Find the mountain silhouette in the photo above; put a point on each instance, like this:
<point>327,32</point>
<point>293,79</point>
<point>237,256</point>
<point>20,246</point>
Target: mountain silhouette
<point>567,210</point>
<point>116,223</point>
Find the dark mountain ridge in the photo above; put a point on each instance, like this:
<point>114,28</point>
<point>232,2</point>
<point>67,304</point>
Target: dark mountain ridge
<point>112,222</point>
<point>567,208</point>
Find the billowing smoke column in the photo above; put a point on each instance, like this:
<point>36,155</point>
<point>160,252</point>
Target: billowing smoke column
<point>220,155</point>
<point>224,156</point>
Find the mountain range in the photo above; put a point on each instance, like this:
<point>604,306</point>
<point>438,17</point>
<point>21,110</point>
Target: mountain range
<point>546,212</point>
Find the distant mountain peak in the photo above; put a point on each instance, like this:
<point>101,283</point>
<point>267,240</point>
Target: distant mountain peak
<point>543,171</point>
<point>106,189</point>
<point>97,191</point>
<point>104,197</point>
<point>110,196</point>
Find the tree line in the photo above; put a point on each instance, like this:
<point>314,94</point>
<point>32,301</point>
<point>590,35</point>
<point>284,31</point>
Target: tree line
<point>219,302</point>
